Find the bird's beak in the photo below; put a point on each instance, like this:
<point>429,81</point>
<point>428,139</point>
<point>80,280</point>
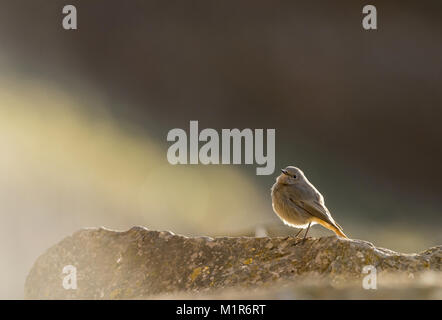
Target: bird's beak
<point>283,171</point>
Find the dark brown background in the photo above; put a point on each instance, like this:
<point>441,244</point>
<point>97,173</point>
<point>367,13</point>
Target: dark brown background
<point>306,68</point>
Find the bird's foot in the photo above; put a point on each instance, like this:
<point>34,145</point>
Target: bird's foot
<point>300,240</point>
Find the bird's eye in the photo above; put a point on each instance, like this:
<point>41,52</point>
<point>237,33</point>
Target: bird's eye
<point>294,176</point>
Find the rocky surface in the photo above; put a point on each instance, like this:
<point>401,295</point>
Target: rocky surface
<point>140,263</point>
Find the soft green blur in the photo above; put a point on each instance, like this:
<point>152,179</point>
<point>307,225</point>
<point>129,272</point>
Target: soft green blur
<point>62,169</point>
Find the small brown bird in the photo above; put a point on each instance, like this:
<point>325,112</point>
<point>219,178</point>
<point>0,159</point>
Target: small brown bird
<point>297,202</point>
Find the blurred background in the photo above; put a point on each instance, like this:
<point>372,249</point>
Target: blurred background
<point>84,116</point>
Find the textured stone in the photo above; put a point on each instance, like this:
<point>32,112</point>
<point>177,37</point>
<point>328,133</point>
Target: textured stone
<point>139,263</point>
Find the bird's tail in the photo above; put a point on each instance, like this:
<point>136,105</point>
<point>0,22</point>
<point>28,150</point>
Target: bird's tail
<point>335,228</point>
<point>339,232</point>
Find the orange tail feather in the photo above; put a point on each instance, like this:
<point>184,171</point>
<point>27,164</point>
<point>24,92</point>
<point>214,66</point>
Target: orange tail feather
<point>331,227</point>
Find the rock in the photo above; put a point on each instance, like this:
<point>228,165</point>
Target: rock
<point>140,263</point>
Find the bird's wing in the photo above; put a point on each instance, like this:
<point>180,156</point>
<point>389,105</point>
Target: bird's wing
<point>316,209</point>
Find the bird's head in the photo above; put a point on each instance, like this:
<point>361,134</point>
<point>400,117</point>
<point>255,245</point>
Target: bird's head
<point>290,175</point>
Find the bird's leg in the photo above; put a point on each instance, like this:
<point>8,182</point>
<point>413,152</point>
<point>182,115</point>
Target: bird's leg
<point>305,235</point>
<point>298,232</point>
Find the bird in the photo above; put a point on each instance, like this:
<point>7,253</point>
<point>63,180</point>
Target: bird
<point>299,204</point>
